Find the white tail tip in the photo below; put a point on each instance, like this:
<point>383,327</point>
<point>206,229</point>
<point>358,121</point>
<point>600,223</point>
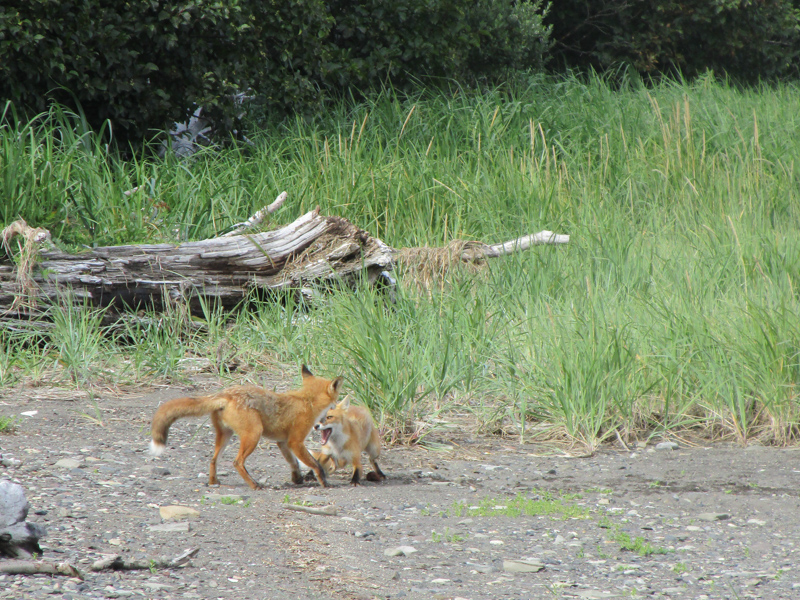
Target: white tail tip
<point>156,449</point>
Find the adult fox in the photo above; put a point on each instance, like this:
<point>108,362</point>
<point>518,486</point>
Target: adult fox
<point>252,412</point>
<point>347,431</point>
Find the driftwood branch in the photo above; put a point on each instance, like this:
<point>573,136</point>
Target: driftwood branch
<point>111,562</point>
<point>258,217</point>
<point>479,251</point>
<point>116,562</point>
<point>323,510</point>
<point>38,567</point>
<point>314,250</point>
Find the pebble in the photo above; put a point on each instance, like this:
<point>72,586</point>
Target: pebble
<point>400,551</point>
<point>177,526</point>
<point>594,594</point>
<point>364,534</point>
<point>178,512</point>
<point>713,516</point>
<point>522,566</point>
<point>68,463</point>
<point>667,446</point>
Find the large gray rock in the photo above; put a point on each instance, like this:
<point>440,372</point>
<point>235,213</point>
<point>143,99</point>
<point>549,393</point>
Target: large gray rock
<point>18,538</point>
<point>13,504</point>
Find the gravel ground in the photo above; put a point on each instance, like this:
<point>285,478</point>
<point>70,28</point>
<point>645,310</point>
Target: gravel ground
<point>685,522</point>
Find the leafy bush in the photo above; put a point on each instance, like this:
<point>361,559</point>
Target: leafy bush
<point>142,64</point>
<point>138,64</point>
<point>747,39</point>
<point>374,40</point>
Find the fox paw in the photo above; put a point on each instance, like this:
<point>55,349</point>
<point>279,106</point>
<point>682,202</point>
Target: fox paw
<point>373,476</point>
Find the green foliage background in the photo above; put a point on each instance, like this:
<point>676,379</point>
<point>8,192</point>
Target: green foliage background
<point>749,40</point>
<point>142,64</point>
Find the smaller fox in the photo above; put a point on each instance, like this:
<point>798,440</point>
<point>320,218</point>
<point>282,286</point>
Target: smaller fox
<point>347,431</point>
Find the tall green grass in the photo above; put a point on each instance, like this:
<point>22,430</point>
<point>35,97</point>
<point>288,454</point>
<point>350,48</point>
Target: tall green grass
<point>673,310</point>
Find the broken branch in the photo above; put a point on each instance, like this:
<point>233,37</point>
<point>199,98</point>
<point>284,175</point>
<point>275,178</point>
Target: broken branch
<point>38,567</point>
<point>329,510</point>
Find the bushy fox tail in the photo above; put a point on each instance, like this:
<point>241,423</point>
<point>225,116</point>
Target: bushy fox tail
<point>171,411</point>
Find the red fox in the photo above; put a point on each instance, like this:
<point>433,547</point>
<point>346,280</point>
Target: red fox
<point>251,412</point>
<point>347,431</point>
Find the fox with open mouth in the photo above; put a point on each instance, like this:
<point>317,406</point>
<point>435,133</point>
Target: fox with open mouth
<point>346,432</point>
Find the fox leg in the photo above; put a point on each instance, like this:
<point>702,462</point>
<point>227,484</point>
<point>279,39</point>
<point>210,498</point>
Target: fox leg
<point>223,437</point>
<point>376,474</point>
<point>374,451</point>
<point>297,474</point>
<point>325,461</point>
<point>248,442</point>
<point>356,469</point>
<point>300,451</point>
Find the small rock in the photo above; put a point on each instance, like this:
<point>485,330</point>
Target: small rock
<point>667,446</point>
<point>496,542</point>
<point>68,463</point>
<point>400,551</point>
<point>522,566</point>
<point>178,512</point>
<point>594,594</point>
<point>364,534</point>
<point>179,526</point>
<point>713,517</point>
<point>440,581</point>
<point>756,522</point>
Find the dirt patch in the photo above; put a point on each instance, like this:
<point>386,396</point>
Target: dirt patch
<point>694,522</point>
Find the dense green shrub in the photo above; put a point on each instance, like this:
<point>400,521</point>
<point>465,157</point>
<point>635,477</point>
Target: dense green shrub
<point>142,64</point>
<point>139,64</point>
<point>746,39</point>
<point>375,40</point>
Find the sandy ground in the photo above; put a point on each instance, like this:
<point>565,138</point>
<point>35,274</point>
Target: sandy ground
<point>691,522</point>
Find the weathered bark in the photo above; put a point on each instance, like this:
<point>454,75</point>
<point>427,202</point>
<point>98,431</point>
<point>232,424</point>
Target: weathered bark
<point>313,250</point>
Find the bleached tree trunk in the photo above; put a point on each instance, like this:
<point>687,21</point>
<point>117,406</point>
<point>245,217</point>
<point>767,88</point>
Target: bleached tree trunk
<point>312,251</point>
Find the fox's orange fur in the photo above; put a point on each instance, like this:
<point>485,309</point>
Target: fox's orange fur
<point>347,431</point>
<point>252,412</point>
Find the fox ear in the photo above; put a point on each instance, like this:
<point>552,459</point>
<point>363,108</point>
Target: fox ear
<point>335,386</point>
<point>305,372</point>
<point>344,404</point>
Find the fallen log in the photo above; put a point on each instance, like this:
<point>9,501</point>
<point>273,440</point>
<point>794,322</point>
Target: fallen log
<point>314,250</point>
